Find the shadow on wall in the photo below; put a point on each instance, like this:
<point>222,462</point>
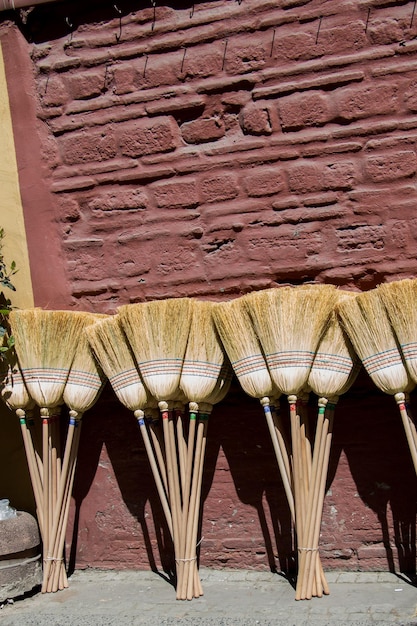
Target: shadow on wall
<point>14,475</point>
<point>375,523</point>
<point>369,433</point>
<point>52,21</point>
<point>239,430</point>
<point>112,426</point>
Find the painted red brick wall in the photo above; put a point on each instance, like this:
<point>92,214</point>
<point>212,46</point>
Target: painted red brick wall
<point>208,149</point>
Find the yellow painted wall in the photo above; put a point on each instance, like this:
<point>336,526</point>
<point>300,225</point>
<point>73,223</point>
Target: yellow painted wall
<point>14,477</point>
<point>11,212</point>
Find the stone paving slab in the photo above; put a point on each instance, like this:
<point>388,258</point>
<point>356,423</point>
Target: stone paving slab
<point>231,598</point>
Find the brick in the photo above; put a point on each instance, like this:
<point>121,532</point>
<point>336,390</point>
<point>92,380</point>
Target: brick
<point>218,188</point>
<point>372,552</point>
<point>202,130</point>
<point>157,70</point>
<point>354,103</point>
<point>120,201</point>
<point>69,209</point>
<point>177,260</point>
<point>360,237</point>
<point>52,91</point>
<point>147,137</point>
<point>298,46</point>
<point>178,193</point>
<point>50,151</point>
<point>58,63</point>
<point>255,120</point>
<point>399,233</point>
<point>242,57</point>
<point>235,99</point>
<point>89,146</point>
<point>305,178</point>
<point>73,184</point>
<point>410,96</point>
<point>386,167</point>
<point>296,243</point>
<point>123,77</point>
<point>242,543</point>
<point>385,31</point>
<point>305,109</point>
<point>341,39</point>
<point>75,245</point>
<point>303,84</point>
<point>203,61</point>
<point>263,182</point>
<point>311,214</point>
<point>86,84</point>
<point>340,175</point>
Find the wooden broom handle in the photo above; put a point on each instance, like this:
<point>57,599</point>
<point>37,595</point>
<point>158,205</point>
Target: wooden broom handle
<point>181,586</point>
<point>280,453</point>
<point>191,591</point>
<point>400,399</point>
<point>45,480</point>
<point>171,460</point>
<point>32,465</point>
<point>139,414</point>
<point>158,451</point>
<point>59,503</point>
<point>306,554</point>
<point>318,493</point>
<point>64,513</point>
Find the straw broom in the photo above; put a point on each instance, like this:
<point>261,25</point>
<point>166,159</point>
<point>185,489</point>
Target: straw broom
<point>16,397</point>
<point>45,344</point>
<point>84,384</point>
<point>203,361</point>
<point>205,410</point>
<point>244,351</point>
<point>178,416</point>
<point>366,322</point>
<point>289,323</point>
<point>334,369</point>
<point>113,353</point>
<point>152,418</point>
<point>158,333</point>
<point>400,299</point>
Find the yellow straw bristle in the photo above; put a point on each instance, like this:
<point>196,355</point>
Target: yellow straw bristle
<point>400,300</point>
<point>45,344</point>
<point>243,349</point>
<point>366,322</point>
<point>289,323</point>
<point>12,387</point>
<point>222,385</point>
<point>112,351</point>
<point>204,356</point>
<point>85,379</point>
<point>157,333</point>
<point>335,364</point>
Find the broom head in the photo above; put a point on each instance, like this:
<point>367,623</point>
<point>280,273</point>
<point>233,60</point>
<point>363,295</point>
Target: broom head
<point>157,333</point>
<point>366,322</point>
<point>222,385</point>
<point>12,386</point>
<point>45,344</point>
<point>204,356</point>
<point>400,300</point>
<point>243,348</point>
<point>289,323</point>
<point>85,379</point>
<point>113,353</point>
<point>335,364</point>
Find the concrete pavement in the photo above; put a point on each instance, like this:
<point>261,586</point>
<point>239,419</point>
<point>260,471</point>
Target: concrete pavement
<point>241,598</point>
